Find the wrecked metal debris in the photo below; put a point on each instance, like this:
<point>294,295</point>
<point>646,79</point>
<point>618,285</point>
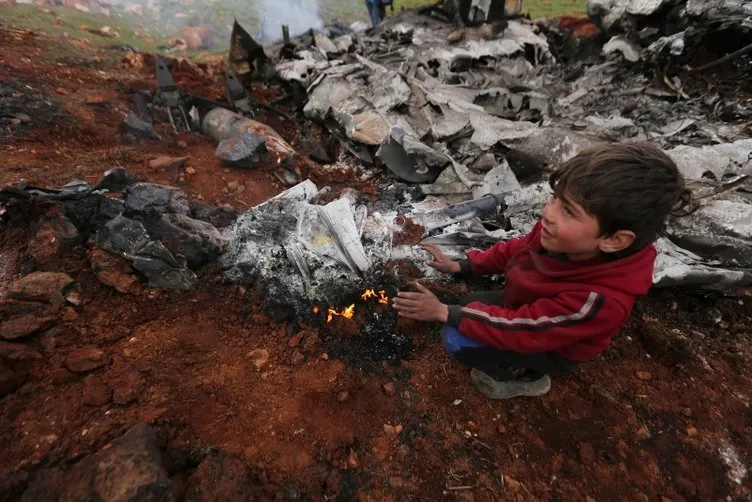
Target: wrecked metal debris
<point>492,111</point>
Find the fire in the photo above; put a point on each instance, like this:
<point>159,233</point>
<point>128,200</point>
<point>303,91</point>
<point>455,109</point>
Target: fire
<point>350,311</point>
<point>383,298</point>
<point>315,309</point>
<point>346,313</point>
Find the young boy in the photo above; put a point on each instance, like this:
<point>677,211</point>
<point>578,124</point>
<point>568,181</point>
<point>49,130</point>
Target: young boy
<point>571,282</point>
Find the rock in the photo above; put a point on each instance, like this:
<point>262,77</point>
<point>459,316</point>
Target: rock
<point>691,431</point>
<point>134,60</point>
<point>73,297</point>
<point>259,357</point>
<point>152,200</point>
<point>297,358</point>
<point>197,241</point>
<point>246,151</point>
<point>17,352</point>
<point>343,396</point>
<point>127,470</point>
<point>512,483</point>
<point>23,118</point>
<point>129,239</point>
<point>70,314</point>
<point>9,380</point>
<point>296,339</point>
<point>198,37</point>
<point>392,430</point>
<point>164,163</point>
<point>219,216</point>
<point>25,325</point>
<point>232,186</point>
<point>133,125</point>
<point>105,31</point>
<point>86,359</point>
<point>311,341</point>
<point>220,477</point>
<point>587,453</point>
<point>395,482</point>
<point>126,386</point>
<point>95,392</point>
<point>113,271</point>
<point>56,233</point>
<point>644,376</point>
<point>92,212</point>
<point>643,433</point>
<point>352,460</point>
<point>62,91</point>
<point>389,388</point>
<point>46,287</point>
<point>501,429</point>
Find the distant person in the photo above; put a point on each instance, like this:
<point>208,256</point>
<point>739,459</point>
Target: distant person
<point>571,282</point>
<point>377,10</point>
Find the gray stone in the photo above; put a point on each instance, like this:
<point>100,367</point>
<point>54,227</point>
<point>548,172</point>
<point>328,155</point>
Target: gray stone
<point>129,239</point>
<point>150,200</point>
<point>134,126</point>
<point>197,241</point>
<point>219,216</point>
<point>246,150</point>
<point>116,179</point>
<point>90,213</point>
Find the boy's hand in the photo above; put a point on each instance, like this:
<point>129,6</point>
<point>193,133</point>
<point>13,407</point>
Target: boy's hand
<point>441,262</point>
<point>421,306</point>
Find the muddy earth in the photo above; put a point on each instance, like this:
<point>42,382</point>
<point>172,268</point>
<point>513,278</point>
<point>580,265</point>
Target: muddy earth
<point>138,393</point>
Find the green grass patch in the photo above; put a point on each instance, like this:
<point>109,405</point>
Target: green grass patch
<point>58,21</point>
<point>535,8</point>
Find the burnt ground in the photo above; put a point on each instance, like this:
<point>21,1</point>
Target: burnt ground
<point>662,415</point>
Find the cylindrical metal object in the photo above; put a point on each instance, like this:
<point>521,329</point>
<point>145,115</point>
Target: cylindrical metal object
<point>222,124</point>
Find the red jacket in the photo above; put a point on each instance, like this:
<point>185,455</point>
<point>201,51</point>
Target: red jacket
<point>573,308</point>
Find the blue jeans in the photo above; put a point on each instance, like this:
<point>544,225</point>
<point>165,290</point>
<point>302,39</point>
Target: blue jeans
<point>376,10</point>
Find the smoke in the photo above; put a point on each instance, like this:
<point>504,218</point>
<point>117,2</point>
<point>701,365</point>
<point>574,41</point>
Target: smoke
<point>298,15</point>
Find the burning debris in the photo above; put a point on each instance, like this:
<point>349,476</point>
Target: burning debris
<point>474,119</point>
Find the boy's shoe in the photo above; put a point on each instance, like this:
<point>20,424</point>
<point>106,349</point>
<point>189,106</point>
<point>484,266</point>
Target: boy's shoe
<point>495,389</point>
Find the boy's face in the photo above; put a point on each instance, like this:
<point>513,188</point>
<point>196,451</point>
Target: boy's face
<point>569,229</point>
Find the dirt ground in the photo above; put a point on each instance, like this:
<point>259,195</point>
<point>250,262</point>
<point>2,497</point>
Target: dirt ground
<point>663,415</point>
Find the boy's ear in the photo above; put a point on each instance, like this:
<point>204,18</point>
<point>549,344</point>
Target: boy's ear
<point>618,241</point>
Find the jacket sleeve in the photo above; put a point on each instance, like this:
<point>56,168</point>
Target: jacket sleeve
<point>546,324</point>
<point>494,259</point>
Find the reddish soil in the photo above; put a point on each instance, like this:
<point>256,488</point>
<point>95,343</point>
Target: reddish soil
<point>648,420</point>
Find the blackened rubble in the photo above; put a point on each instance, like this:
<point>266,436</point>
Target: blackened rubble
<point>492,111</point>
<point>164,236</point>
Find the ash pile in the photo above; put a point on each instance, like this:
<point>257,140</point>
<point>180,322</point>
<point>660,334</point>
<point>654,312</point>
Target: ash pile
<point>483,113</point>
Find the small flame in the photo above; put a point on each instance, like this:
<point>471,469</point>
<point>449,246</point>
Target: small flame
<point>349,312</point>
<point>346,313</point>
<point>315,309</point>
<point>383,298</point>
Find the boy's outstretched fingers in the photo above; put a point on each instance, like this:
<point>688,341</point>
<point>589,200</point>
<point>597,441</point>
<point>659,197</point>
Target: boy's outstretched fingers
<point>422,305</point>
<point>440,261</point>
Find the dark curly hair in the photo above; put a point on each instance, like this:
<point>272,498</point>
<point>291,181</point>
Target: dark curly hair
<point>633,186</point>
